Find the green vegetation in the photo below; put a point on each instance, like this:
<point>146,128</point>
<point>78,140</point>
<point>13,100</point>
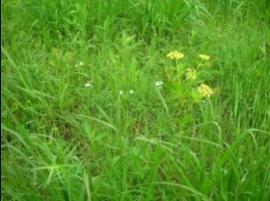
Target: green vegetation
<point>94,109</point>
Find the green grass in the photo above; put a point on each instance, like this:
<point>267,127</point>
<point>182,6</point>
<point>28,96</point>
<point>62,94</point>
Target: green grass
<point>64,141</point>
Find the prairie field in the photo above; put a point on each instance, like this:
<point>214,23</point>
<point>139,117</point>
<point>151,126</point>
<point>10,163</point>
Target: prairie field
<point>135,100</point>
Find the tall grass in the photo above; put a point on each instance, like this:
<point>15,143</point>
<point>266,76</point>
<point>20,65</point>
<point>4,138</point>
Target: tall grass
<point>62,140</point>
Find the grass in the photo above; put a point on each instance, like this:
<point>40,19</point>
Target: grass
<point>65,140</point>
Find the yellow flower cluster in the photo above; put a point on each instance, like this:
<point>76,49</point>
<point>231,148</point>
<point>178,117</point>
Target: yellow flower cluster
<point>205,90</point>
<point>191,74</point>
<point>204,57</point>
<point>175,55</point>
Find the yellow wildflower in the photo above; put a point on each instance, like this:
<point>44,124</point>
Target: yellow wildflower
<point>191,74</point>
<point>205,90</point>
<point>175,55</point>
<point>204,57</point>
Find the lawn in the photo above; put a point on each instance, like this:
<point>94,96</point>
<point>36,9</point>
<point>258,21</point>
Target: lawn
<point>135,100</point>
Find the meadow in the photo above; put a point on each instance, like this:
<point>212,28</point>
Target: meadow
<point>135,100</point>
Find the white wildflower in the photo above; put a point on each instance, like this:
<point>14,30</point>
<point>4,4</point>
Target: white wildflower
<point>159,84</point>
<point>131,91</point>
<point>79,64</point>
<point>121,92</point>
<point>88,84</point>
